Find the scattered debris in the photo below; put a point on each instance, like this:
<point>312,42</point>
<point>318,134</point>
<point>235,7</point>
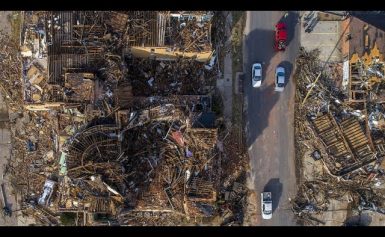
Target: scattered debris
<point>341,125</point>
<point>100,130</point>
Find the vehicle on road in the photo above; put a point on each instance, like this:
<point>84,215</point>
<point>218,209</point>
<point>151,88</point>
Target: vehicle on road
<point>256,75</point>
<point>280,36</point>
<point>279,79</point>
<point>266,205</point>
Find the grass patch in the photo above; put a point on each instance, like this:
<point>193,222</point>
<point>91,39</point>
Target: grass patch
<point>68,218</point>
<point>239,21</point>
<point>237,120</point>
<point>237,110</point>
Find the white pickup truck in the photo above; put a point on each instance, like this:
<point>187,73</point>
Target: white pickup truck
<point>266,205</point>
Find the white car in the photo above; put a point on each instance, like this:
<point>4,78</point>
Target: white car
<point>279,79</point>
<point>266,205</point>
<point>256,77</point>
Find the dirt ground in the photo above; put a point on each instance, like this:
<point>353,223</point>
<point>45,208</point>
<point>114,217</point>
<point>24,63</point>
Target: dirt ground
<point>251,210</point>
<point>5,147</point>
<point>4,23</point>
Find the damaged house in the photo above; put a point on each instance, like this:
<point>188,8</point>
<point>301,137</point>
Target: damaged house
<point>166,35</point>
<point>128,137</point>
<point>346,119</point>
<point>340,128</point>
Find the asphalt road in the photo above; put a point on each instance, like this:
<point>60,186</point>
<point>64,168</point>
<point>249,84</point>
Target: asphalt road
<point>269,115</point>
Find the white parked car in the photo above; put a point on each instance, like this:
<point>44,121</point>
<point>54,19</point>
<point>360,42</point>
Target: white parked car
<point>256,75</point>
<point>279,79</point>
<point>266,205</point>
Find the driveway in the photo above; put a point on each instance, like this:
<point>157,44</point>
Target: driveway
<point>324,36</point>
<point>269,115</point>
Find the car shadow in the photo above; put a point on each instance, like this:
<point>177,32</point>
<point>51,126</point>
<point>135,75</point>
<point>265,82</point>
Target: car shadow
<point>275,187</point>
<point>288,70</point>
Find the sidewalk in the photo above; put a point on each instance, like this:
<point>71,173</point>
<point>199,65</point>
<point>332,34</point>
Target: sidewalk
<point>225,83</point>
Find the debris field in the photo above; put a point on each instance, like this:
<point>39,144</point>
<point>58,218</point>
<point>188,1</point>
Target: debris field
<point>339,125</point>
<point>109,133</point>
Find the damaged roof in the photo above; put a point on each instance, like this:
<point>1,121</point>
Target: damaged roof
<point>373,18</point>
<point>364,35</point>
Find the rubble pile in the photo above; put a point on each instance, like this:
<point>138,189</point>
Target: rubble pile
<point>10,70</point>
<point>163,78</point>
<point>112,138</point>
<point>189,32</point>
<point>339,127</point>
<point>314,197</point>
<point>183,32</point>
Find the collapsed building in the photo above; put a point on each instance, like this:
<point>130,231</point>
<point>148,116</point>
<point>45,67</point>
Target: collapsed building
<point>122,101</point>
<point>365,75</point>
<point>340,123</point>
<point>167,35</point>
<point>74,41</point>
<point>349,98</point>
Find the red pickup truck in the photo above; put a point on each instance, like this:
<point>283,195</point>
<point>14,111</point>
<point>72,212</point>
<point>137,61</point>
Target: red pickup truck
<point>280,36</point>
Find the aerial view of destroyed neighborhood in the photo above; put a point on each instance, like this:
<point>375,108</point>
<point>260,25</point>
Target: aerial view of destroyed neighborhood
<point>192,118</point>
